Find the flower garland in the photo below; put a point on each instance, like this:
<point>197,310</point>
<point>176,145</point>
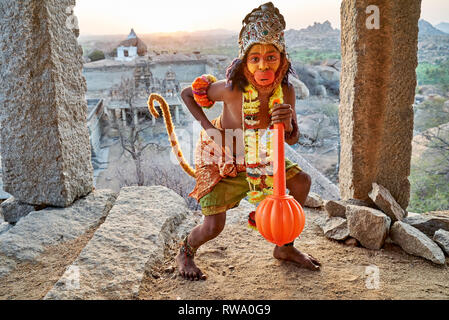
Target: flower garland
<point>258,158</point>
<point>199,90</point>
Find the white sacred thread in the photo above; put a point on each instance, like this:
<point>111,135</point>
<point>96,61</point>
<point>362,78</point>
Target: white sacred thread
<point>373,20</point>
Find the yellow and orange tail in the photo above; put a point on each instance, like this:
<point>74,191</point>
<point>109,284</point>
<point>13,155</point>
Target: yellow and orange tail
<point>170,130</point>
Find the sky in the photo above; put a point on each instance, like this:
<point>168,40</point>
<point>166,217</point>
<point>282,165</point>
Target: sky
<point>102,17</point>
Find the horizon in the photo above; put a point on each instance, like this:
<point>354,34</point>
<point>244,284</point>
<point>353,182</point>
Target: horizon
<point>119,18</point>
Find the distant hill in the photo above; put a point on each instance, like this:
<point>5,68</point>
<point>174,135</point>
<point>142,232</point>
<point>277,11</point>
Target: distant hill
<point>443,26</point>
<point>319,36</point>
<point>427,29</point>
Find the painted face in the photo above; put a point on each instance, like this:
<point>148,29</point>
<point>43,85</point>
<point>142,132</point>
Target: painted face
<point>263,61</point>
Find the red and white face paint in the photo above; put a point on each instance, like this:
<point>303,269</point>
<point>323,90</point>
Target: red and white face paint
<point>263,61</point>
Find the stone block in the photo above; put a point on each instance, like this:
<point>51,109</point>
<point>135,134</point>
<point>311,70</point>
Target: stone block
<point>414,242</point>
<point>369,226</point>
<point>45,146</point>
<point>385,201</point>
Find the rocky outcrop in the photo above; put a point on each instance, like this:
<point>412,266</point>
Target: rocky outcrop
<point>385,201</point>
<point>45,145</point>
<point>320,184</point>
<point>413,241</point>
<point>112,264</point>
<point>369,226</point>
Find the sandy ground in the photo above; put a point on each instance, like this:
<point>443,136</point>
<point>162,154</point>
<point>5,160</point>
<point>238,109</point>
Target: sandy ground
<point>239,265</point>
<point>32,280</point>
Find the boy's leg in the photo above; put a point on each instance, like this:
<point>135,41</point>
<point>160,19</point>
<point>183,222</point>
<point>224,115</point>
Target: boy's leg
<point>208,230</point>
<point>299,186</point>
<point>224,196</point>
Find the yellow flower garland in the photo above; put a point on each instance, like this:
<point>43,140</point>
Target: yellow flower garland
<point>253,144</point>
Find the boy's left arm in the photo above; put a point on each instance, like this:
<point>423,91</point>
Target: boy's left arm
<point>285,113</point>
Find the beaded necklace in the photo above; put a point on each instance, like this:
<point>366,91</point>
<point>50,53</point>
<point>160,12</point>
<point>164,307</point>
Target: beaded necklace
<point>258,144</point>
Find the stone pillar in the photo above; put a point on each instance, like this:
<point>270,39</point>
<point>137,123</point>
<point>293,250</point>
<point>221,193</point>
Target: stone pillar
<point>45,140</point>
<point>378,82</point>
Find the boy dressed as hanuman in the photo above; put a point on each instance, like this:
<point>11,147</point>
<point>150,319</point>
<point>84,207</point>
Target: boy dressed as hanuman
<point>233,158</point>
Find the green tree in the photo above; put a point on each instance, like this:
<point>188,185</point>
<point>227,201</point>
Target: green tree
<point>430,114</point>
<point>96,55</point>
<point>429,176</point>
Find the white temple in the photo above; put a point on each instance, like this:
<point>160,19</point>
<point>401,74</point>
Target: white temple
<point>128,49</point>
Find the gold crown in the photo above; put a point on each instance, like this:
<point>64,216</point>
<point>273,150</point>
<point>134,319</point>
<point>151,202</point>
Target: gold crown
<point>264,25</point>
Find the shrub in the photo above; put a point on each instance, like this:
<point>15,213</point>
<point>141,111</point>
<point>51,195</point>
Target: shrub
<point>96,55</point>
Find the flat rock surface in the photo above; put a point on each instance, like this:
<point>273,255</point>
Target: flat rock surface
<point>416,242</point>
<point>51,226</point>
<point>112,264</point>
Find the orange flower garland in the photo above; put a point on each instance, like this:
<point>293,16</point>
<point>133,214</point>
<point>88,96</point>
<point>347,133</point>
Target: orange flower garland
<point>199,89</point>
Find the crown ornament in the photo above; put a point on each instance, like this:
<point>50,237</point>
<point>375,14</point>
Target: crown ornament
<point>264,25</point>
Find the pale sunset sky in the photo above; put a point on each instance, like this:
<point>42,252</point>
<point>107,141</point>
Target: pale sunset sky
<point>102,17</point>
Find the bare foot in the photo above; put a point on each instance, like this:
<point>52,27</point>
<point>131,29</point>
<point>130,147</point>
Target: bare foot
<point>188,269</point>
<point>290,253</point>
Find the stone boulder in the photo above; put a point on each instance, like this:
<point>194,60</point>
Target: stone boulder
<point>415,242</point>
<point>336,228</point>
<point>133,236</point>
<point>335,208</point>
<point>301,90</point>
<point>369,226</point>
<point>385,201</point>
<point>314,200</point>
<point>328,73</point>
<point>29,238</point>
<point>320,91</point>
<point>441,237</point>
<point>429,223</point>
<point>13,209</point>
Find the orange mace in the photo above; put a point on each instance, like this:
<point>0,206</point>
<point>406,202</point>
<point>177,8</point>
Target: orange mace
<point>279,218</point>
